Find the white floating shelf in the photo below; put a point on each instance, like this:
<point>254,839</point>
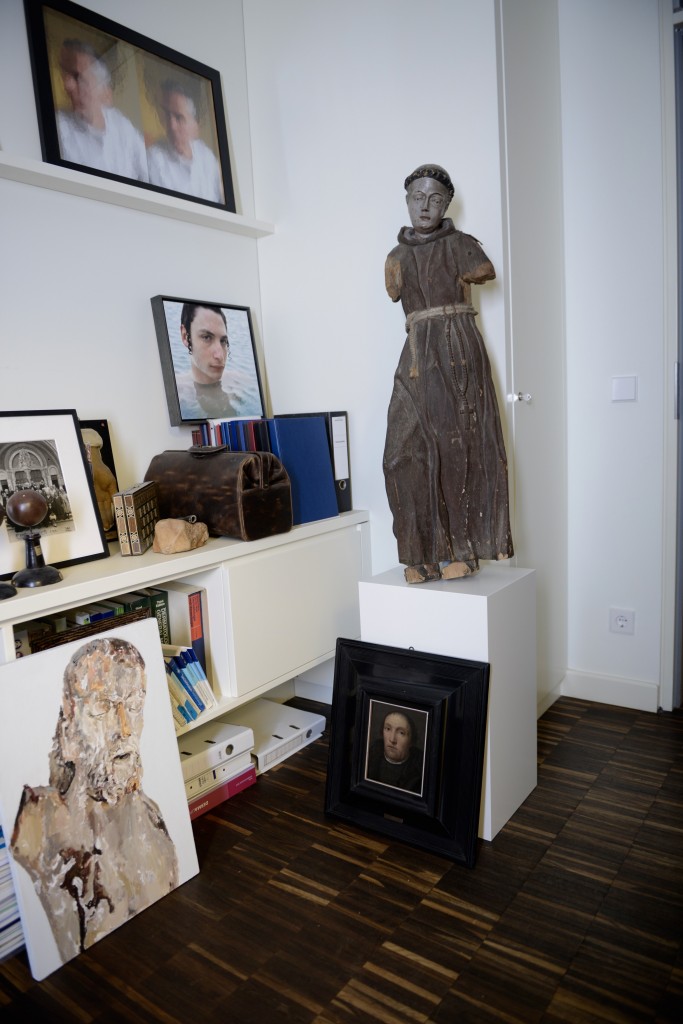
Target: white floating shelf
<point>134,197</point>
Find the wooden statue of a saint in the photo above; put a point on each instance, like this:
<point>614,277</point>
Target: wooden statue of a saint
<point>445,465</point>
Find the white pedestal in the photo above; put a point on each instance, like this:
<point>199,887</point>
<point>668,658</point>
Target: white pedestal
<point>489,617</point>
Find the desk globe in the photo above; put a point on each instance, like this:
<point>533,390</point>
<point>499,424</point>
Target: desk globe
<point>27,509</point>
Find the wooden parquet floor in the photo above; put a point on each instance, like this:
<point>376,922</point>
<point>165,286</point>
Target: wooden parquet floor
<point>574,913</point>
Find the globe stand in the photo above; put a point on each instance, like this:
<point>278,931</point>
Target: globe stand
<point>36,573</point>
<point>27,509</point>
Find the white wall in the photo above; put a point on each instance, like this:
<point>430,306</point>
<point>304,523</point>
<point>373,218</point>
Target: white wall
<point>76,275</point>
<point>345,100</point>
<point>612,134</point>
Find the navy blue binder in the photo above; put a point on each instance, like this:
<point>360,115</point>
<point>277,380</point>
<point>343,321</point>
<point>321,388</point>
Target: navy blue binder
<point>301,445</point>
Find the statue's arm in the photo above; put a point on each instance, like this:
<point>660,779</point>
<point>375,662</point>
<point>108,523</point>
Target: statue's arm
<point>392,277</point>
<point>479,274</point>
<point>475,265</point>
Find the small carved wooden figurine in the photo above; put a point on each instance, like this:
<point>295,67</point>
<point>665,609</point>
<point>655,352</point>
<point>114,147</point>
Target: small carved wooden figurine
<point>445,466</point>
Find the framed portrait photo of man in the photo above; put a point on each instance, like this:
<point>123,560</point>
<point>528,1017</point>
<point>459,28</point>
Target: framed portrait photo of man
<point>407,742</point>
<point>208,360</point>
<point>117,104</point>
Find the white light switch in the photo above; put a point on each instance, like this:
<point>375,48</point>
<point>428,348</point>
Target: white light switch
<point>624,389</point>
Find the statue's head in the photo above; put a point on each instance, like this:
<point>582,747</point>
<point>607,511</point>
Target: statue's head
<point>100,720</point>
<point>429,191</point>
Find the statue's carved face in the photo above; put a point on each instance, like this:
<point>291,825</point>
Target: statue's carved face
<point>103,705</point>
<point>427,203</point>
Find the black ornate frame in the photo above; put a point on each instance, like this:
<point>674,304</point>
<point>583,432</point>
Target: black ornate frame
<point>450,695</point>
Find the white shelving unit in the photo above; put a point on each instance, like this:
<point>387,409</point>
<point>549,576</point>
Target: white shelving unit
<point>275,606</point>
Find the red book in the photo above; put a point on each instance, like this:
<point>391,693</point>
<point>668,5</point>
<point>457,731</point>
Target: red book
<point>207,801</point>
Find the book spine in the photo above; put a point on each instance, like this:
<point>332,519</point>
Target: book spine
<point>158,601</point>
<point>197,627</point>
<point>131,602</point>
<point>98,612</point>
<point>121,527</point>
<point>234,436</point>
<point>179,696</point>
<point>207,801</point>
<point>189,682</point>
<point>194,670</point>
<point>194,666</point>
<point>182,678</point>
<point>178,720</point>
<point>81,616</point>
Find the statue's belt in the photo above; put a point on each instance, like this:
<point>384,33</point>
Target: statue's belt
<point>431,313</point>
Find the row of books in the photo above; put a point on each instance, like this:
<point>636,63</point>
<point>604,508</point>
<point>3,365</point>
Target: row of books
<point>313,448</point>
<point>179,608</point>
<point>136,513</point>
<point>188,686</point>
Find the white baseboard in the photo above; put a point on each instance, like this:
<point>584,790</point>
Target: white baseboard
<point>626,693</point>
<point>547,700</point>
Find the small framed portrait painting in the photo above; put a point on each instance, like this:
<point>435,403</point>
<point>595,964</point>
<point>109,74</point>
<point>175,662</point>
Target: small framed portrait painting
<point>208,360</point>
<point>407,740</point>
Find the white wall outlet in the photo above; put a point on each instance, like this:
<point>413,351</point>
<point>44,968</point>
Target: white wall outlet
<point>622,620</point>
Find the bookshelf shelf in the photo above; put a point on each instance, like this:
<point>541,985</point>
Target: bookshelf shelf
<point>275,606</point>
<point>135,197</point>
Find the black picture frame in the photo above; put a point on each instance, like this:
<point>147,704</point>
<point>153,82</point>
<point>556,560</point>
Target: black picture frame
<point>449,699</point>
<point>44,449</point>
<point>132,73</point>
<point>237,394</point>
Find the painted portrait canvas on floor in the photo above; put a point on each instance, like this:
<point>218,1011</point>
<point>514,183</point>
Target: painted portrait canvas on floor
<point>92,798</point>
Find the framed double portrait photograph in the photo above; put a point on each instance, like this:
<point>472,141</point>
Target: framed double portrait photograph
<point>117,104</point>
<point>208,360</point>
<point>407,739</point>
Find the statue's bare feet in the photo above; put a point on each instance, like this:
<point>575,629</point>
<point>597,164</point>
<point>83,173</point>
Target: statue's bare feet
<point>455,570</point>
<point>422,573</point>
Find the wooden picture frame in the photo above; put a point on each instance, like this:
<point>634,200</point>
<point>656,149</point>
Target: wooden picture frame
<point>189,335</point>
<point>432,799</point>
<point>114,103</point>
<point>44,450</point>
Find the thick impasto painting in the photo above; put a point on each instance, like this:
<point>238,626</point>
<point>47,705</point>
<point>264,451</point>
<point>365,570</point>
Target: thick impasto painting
<point>91,791</point>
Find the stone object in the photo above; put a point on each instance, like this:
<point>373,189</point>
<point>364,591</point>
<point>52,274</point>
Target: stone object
<point>173,535</point>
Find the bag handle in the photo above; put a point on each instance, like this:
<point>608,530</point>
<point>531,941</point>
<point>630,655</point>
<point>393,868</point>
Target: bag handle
<point>199,451</point>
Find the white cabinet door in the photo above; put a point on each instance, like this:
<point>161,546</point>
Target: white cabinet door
<point>286,607</point>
